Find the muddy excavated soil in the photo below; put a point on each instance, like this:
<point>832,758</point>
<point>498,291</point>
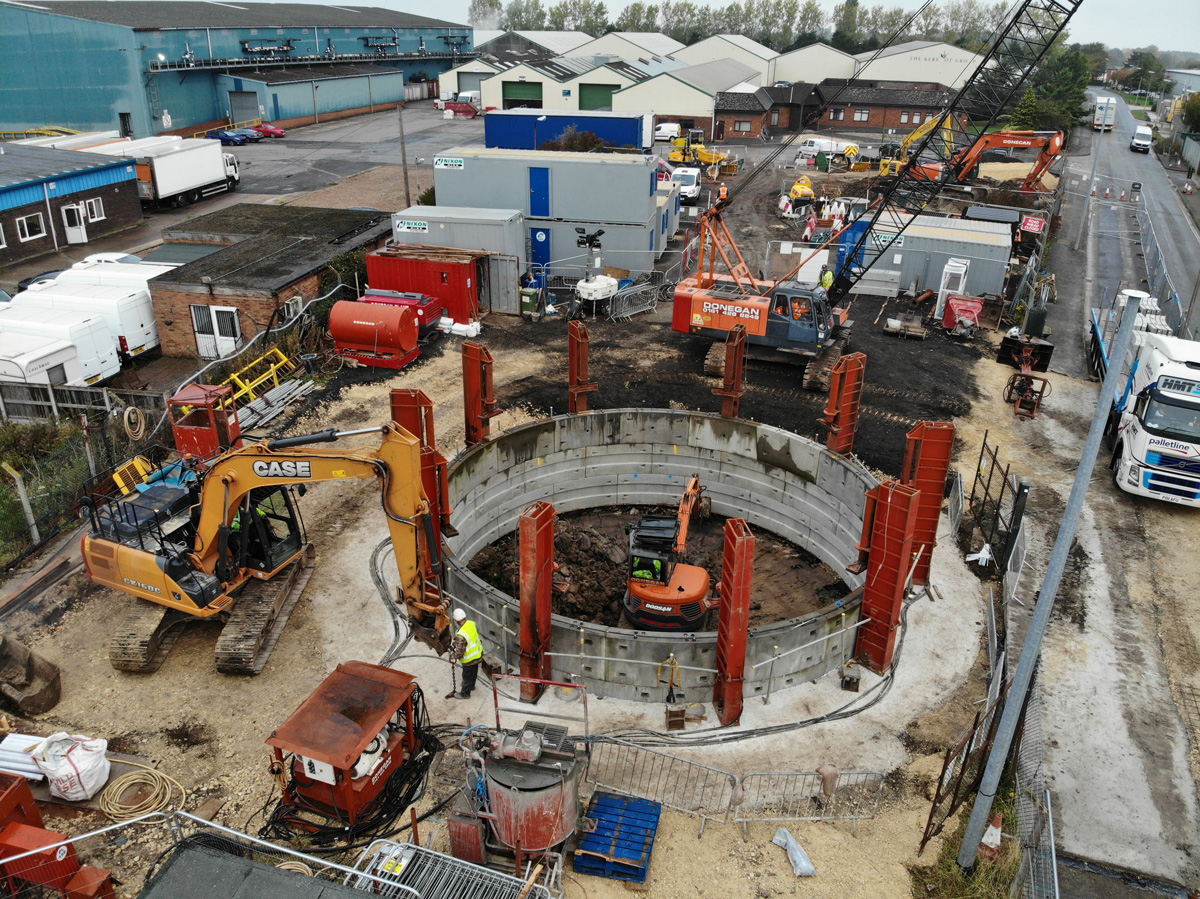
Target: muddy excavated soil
<point>590,549</point>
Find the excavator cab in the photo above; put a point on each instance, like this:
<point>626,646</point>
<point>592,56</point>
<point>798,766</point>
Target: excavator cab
<point>267,532</point>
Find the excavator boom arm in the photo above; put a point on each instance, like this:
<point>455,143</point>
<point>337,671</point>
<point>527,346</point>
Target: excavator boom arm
<point>396,463</point>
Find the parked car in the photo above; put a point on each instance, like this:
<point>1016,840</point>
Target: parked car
<point>266,128</point>
<point>4,296</point>
<point>37,279</point>
<point>227,138</point>
<point>253,135</point>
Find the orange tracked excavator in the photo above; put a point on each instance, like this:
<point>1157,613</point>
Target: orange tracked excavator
<point>232,546</point>
<point>664,593</point>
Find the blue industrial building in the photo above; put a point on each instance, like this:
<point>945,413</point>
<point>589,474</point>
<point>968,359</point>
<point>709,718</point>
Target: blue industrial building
<point>156,66</point>
<point>51,198</point>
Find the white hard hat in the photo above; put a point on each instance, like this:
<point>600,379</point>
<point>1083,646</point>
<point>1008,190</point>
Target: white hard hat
<point>460,615</point>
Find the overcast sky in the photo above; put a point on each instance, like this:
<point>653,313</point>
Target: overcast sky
<point>1168,24</point>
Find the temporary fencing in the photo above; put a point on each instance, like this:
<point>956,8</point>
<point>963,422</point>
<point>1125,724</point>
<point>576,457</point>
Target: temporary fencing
<point>803,796</point>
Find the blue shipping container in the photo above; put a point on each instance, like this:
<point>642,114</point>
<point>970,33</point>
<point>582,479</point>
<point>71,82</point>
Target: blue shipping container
<point>520,129</point>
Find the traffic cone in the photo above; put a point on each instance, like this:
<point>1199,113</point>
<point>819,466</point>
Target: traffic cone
<point>1093,188</point>
<point>1107,192</point>
<point>1122,195</point>
<point>1187,187</point>
<point>1137,198</point>
<point>989,846</point>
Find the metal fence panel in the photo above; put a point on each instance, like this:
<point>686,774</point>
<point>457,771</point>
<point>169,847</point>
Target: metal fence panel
<point>1016,564</point>
<point>688,787</point>
<point>1038,872</point>
<point>958,502</point>
<point>782,796</point>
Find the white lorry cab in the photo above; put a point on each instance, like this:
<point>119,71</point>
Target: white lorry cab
<point>126,310</point>
<point>26,359</point>
<point>1154,424</point>
<point>97,349</point>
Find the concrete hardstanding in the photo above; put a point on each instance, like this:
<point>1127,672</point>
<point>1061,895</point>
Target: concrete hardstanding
<point>465,228</point>
<point>585,187</point>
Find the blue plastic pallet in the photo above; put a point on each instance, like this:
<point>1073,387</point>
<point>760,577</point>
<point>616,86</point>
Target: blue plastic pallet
<point>620,845</point>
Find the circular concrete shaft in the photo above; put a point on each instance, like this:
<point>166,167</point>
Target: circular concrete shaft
<point>777,481</point>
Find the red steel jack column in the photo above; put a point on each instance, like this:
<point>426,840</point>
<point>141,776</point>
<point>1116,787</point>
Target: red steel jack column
<point>885,553</point>
<point>845,397</point>
<point>926,464</point>
<point>536,533</point>
<point>577,367</point>
<point>478,393</point>
<point>413,411</point>
<point>735,363</point>
<point>737,574</point>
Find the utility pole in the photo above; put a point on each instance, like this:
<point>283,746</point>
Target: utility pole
<point>403,154</point>
<point>1032,650</point>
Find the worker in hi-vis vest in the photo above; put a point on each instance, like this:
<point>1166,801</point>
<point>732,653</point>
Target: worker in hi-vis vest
<point>468,651</point>
<point>826,277</point>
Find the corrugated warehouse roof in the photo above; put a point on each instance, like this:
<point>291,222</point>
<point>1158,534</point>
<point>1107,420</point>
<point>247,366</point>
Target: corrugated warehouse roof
<point>898,49</point>
<point>560,42</point>
<point>966,230</point>
<point>749,45</point>
<point>716,76</point>
<point>563,68</point>
<point>308,73</point>
<point>651,41</point>
<point>23,165</point>
<point>154,15</point>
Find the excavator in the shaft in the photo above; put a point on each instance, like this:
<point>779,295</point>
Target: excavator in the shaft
<point>230,545</point>
<point>664,593</point>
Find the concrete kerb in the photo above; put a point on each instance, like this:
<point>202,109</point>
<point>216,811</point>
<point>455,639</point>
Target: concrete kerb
<point>777,481</point>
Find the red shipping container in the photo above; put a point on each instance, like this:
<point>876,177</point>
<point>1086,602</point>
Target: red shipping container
<point>450,275</point>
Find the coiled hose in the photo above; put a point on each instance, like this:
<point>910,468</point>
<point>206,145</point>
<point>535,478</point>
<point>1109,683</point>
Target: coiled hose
<point>161,786</point>
<point>135,423</point>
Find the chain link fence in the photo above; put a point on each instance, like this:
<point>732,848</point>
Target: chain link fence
<point>1157,280</point>
<point>40,488</point>
<point>1037,876</point>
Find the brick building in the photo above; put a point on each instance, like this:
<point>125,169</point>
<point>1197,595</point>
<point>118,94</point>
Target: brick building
<point>271,254</point>
<point>777,110</point>
<point>52,198</point>
<point>885,106</point>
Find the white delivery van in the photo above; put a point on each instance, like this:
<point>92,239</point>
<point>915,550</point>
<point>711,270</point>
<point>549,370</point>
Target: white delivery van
<point>89,333</point>
<point>121,274</point>
<point>666,131</point>
<point>689,183</point>
<point>1143,140</point>
<point>127,310</point>
<point>39,360</point>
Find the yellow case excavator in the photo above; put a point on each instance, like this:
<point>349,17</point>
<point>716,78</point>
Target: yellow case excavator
<point>233,546</point>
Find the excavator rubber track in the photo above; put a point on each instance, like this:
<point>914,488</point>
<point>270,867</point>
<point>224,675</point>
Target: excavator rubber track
<point>259,616</point>
<point>816,373</point>
<point>145,636</point>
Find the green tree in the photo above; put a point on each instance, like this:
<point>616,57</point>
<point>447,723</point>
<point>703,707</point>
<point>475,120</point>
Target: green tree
<point>1061,82</point>
<point>1027,114</point>
<point>1191,113</point>
<point>1096,55</point>
<point>1146,73</point>
<point>845,26</point>
<point>588,16</point>
<point>810,20</point>
<point>524,15</point>
<point>485,13</point>
<point>678,19</point>
<point>638,16</point>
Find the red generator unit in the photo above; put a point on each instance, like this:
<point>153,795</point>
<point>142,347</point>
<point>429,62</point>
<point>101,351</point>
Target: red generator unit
<point>374,334</point>
<point>347,741</point>
<point>429,309</point>
<point>451,275</point>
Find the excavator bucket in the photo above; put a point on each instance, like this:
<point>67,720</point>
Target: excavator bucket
<point>29,682</point>
<point>429,623</point>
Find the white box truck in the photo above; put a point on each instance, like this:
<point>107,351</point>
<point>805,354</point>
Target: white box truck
<point>127,310</point>
<point>97,349</point>
<point>26,359</point>
<point>1104,116</point>
<point>178,171</point>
